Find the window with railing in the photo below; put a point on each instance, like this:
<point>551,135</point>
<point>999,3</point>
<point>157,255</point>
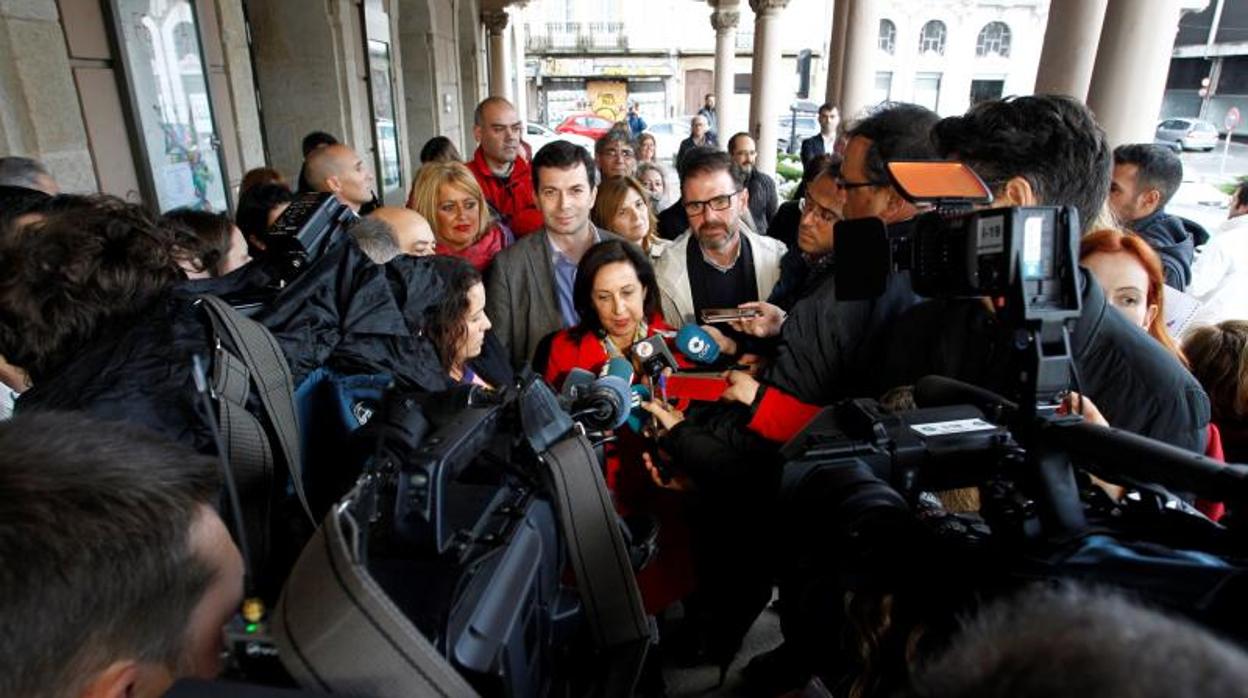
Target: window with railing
<point>888,36</point>
<point>932,38</point>
<point>575,36</point>
<point>994,39</point>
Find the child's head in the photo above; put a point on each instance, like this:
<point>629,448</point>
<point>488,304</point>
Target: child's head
<point>1219,358</point>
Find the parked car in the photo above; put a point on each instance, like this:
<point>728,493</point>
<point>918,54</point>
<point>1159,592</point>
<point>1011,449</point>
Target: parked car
<point>807,126</point>
<point>667,136</point>
<point>586,124</point>
<point>1187,134</point>
<point>537,135</point>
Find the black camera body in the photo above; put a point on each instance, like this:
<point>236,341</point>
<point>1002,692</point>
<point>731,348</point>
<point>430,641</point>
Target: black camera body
<point>303,232</point>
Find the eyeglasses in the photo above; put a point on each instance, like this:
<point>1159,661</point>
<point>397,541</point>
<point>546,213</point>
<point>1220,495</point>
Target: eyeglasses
<point>718,203</point>
<point>843,184</point>
<point>825,214</point>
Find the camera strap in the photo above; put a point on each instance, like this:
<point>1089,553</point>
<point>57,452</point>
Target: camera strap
<point>600,562</point>
<point>248,354</point>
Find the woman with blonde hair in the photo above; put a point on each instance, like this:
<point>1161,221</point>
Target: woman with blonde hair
<point>448,196</point>
<point>623,207</point>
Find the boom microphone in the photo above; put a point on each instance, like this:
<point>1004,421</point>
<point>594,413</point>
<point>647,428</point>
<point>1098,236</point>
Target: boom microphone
<point>697,344</point>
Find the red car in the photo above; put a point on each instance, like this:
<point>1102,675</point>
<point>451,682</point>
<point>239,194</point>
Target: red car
<point>586,124</point>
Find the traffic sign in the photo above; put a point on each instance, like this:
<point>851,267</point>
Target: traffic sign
<point>1232,119</point>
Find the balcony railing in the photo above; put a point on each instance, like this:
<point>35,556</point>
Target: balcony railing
<point>575,36</point>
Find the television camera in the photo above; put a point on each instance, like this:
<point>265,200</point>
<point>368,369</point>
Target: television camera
<point>859,473</point>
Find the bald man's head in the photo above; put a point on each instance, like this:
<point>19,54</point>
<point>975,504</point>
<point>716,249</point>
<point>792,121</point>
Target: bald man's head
<point>411,231</point>
<point>338,170</point>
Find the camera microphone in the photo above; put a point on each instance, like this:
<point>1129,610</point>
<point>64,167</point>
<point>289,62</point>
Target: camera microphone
<point>697,344</point>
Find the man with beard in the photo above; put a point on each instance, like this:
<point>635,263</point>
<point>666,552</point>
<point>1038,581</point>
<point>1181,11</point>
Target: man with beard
<point>718,263</point>
<point>763,198</point>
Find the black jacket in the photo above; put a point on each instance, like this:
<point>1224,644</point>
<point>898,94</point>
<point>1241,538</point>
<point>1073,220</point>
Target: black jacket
<point>357,317</point>
<point>763,199</point>
<point>1174,239</point>
<point>1135,382</point>
<point>138,372</point>
<point>823,339</point>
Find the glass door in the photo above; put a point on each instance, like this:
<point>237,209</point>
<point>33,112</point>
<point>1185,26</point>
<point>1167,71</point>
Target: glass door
<point>164,72</point>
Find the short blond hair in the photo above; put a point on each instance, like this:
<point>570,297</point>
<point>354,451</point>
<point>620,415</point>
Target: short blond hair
<point>423,198</point>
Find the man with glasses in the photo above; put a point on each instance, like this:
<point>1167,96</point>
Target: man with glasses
<point>718,262</point>
<point>763,198</point>
<point>616,153</point>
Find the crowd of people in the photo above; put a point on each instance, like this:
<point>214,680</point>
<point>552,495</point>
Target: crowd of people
<point>511,261</point>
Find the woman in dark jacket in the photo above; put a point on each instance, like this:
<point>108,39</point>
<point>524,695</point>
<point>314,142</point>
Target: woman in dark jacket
<point>460,329</point>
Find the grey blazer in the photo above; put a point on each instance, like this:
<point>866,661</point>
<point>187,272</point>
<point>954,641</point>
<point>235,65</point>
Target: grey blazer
<point>520,295</point>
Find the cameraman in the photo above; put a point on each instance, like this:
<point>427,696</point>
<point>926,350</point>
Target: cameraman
<point>118,574</point>
<point>1047,150</point>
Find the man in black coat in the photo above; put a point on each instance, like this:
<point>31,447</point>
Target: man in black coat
<point>1145,178</point>
<point>762,189</point>
<point>824,142</point>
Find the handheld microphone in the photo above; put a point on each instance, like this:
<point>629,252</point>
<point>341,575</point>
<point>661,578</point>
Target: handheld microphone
<point>697,344</point>
<point>654,355</point>
<point>619,367</point>
<point>638,416</point>
<point>575,384</point>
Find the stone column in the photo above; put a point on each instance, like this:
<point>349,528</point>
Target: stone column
<point>495,22</point>
<point>767,93</point>
<point>862,33</point>
<point>520,93</point>
<point>1070,42</point>
<point>724,20</point>
<point>40,116</point>
<point>836,52</point>
<point>1132,62</point>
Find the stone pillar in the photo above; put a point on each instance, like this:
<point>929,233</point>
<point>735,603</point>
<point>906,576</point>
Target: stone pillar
<point>1132,62</point>
<point>1070,42</point>
<point>836,53</point>
<point>767,93</point>
<point>724,20</point>
<point>495,22</point>
<point>862,32</point>
<point>40,116</point>
<point>520,90</point>
<point>310,70</point>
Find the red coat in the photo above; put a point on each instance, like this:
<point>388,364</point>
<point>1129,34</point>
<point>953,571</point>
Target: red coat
<point>669,577</point>
<point>511,197</point>
<point>778,416</point>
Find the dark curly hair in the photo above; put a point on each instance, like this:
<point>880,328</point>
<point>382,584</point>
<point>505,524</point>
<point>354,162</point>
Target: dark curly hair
<point>201,239</point>
<point>254,204</point>
<point>77,274</point>
<point>446,323</point>
<point>599,256</point>
<point>897,131</point>
<point>1052,141</point>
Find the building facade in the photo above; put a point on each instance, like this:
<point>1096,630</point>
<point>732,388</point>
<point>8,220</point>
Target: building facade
<point>170,102</point>
<point>1209,68</point>
<point>949,55</point>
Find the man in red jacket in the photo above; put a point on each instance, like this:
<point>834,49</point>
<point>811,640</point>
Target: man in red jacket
<point>500,167</point>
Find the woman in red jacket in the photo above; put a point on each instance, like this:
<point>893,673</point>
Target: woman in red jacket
<point>617,298</point>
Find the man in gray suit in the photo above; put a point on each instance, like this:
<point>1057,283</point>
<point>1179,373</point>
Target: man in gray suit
<point>529,291</point>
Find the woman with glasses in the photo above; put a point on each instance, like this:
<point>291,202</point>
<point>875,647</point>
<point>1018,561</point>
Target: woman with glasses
<point>448,196</point>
